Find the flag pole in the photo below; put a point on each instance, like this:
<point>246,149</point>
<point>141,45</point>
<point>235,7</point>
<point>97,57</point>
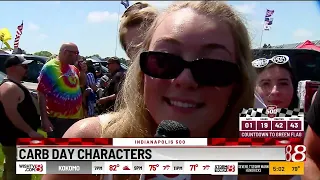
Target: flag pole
<point>115,51</point>
<point>262,35</point>
<point>263,24</point>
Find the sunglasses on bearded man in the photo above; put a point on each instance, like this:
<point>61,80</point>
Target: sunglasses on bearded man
<point>24,66</point>
<point>72,52</point>
<point>206,72</point>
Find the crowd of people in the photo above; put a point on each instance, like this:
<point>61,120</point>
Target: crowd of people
<point>201,77</point>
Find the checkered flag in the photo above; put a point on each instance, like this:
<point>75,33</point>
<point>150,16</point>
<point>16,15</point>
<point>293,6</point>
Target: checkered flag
<point>281,112</point>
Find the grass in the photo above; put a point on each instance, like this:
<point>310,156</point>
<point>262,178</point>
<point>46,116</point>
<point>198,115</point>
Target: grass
<point>34,177</point>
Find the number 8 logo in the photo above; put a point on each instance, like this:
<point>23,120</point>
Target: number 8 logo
<point>298,155</point>
<point>39,167</point>
<point>231,168</point>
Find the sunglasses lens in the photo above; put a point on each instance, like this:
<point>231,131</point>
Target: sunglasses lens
<point>206,72</point>
<point>209,72</point>
<point>280,59</point>
<point>160,65</point>
<point>260,63</point>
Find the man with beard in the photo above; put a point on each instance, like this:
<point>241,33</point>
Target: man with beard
<point>117,76</point>
<point>59,91</point>
<point>18,114</point>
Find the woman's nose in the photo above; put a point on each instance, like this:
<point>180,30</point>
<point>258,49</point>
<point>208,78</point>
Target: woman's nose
<point>185,80</point>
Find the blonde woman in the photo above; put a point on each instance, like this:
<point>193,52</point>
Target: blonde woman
<point>195,69</point>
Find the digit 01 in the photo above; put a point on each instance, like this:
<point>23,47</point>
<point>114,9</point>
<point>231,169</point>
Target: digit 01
<point>296,153</point>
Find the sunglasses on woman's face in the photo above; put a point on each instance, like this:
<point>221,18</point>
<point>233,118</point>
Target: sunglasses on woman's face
<point>206,72</point>
<point>263,62</point>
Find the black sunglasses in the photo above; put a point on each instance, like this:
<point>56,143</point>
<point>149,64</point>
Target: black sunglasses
<point>206,72</point>
<point>73,52</point>
<point>24,66</point>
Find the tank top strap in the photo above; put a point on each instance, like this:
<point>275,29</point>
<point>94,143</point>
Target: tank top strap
<point>23,88</point>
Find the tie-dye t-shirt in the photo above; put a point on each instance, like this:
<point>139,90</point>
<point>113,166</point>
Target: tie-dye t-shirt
<point>60,84</point>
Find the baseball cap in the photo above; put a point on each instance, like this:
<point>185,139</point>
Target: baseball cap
<point>16,60</point>
<point>113,60</point>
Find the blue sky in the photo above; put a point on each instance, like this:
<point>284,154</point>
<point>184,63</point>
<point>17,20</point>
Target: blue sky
<point>93,25</point>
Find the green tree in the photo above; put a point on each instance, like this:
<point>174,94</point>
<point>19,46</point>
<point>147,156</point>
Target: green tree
<point>43,53</point>
<point>266,46</point>
<point>94,55</point>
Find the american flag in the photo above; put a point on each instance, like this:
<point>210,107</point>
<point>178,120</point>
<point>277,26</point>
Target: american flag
<point>18,35</point>
<point>125,3</point>
<point>268,21</point>
<point>269,13</point>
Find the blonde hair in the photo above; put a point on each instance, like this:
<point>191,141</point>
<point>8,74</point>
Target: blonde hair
<point>140,14</point>
<point>133,120</point>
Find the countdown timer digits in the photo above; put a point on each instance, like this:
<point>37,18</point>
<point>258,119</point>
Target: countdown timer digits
<point>271,122</point>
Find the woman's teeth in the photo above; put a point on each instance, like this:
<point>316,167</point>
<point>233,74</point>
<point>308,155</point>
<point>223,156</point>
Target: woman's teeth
<point>182,104</point>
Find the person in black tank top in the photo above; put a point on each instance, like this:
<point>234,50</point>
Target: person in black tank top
<point>18,114</point>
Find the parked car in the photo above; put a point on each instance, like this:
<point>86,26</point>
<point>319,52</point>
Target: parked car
<point>305,63</point>
<point>2,76</point>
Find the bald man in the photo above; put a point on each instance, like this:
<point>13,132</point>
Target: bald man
<point>59,91</point>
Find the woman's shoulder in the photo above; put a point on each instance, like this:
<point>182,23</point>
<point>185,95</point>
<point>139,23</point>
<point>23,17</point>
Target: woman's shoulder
<point>89,127</point>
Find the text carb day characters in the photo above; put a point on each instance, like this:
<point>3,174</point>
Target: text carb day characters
<point>84,154</point>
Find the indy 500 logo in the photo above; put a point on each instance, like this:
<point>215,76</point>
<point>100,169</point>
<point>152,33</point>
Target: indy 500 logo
<point>30,168</point>
<point>271,111</point>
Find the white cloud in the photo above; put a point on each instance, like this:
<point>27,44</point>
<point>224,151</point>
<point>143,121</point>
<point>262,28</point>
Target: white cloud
<point>101,16</point>
<point>302,34</point>
<point>247,8</point>
<point>33,27</point>
<point>255,29</point>
<point>43,36</point>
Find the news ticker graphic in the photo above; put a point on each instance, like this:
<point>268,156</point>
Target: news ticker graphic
<point>271,122</point>
<point>294,153</point>
<point>157,142</point>
<point>152,154</point>
<point>161,167</point>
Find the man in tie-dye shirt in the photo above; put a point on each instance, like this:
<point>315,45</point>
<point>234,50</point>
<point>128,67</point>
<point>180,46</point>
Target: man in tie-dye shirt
<point>59,90</point>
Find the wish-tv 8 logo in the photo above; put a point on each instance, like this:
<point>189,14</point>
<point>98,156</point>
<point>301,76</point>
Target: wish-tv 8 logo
<point>296,153</point>
<point>30,168</point>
